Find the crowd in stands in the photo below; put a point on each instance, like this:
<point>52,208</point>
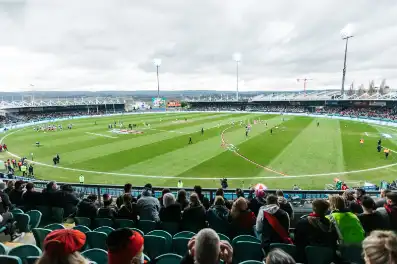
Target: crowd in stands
<point>383,112</point>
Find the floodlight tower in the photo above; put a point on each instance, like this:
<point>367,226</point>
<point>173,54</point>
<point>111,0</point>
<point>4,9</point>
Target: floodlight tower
<point>157,63</point>
<point>304,83</point>
<point>237,59</point>
<point>346,34</point>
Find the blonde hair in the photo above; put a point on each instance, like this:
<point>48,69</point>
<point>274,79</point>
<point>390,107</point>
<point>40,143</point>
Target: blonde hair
<point>239,205</point>
<point>380,247</point>
<point>74,258</point>
<point>336,202</point>
<point>219,200</point>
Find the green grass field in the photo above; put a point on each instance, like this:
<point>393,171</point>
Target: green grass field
<point>298,152</point>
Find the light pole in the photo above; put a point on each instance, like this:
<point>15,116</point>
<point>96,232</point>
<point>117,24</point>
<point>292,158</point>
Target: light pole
<point>157,63</point>
<point>346,34</point>
<point>237,59</point>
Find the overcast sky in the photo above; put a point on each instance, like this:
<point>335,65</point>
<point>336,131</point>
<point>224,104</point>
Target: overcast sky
<point>110,45</point>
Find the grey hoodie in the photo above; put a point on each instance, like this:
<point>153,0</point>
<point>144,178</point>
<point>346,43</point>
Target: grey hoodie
<point>271,209</point>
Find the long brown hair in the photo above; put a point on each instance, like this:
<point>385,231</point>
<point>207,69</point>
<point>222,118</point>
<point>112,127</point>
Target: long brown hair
<point>238,206</point>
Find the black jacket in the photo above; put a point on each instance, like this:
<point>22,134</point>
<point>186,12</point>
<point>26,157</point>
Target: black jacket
<point>16,197</point>
<point>5,203</point>
<point>31,200</point>
<point>66,200</point>
<point>204,200</point>
<point>354,207</point>
<point>87,208</point>
<point>193,218</point>
<point>171,214</point>
<point>286,206</point>
<point>255,204</point>
<point>119,200</point>
<point>372,222</point>
<point>128,212</point>
<point>107,212</point>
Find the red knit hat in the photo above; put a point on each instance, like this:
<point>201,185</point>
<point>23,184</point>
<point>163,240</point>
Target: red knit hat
<point>64,241</point>
<point>123,245</point>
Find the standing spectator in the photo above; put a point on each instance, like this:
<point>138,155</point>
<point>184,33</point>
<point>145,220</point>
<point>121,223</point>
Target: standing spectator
<point>107,210</point>
<point>148,206</point>
<point>6,218</point>
<point>204,200</point>
<point>258,201</point>
<point>221,193</point>
<point>171,210</point>
<point>30,170</point>
<point>87,207</point>
<point>272,223</point>
<point>163,192</point>
<point>347,224</point>
<point>128,209</point>
<point>127,190</point>
<point>66,199</point>
<point>390,210</point>
<point>16,194</point>
<point>194,216</point>
<point>351,202</point>
<point>315,230</point>
<point>10,186</point>
<point>31,198</point>
<point>359,194</point>
<point>181,199</point>
<point>49,194</point>
<point>382,201</point>
<point>279,256</point>
<point>63,246</point>
<point>380,247</point>
<point>242,219</point>
<point>371,219</point>
<point>284,204</point>
<point>125,247</point>
<point>218,216</point>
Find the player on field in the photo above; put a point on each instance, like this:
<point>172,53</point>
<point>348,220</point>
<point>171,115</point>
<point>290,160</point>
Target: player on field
<point>318,124</point>
<point>271,131</point>
<point>361,142</point>
<point>202,131</point>
<point>387,152</point>
<point>190,140</point>
<point>379,147</point>
<point>379,142</point>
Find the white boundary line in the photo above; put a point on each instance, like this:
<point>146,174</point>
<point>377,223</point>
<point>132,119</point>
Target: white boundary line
<point>99,135</point>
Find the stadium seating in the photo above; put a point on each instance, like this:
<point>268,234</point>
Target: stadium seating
<point>179,245</point>
<point>23,222</point>
<point>155,246</point>
<point>146,226</point>
<point>39,235</point>
<point>82,228</point>
<point>104,229</point>
<point>138,230</point>
<point>319,255</point>
<point>3,249</point>
<point>184,234</point>
<point>25,251</point>
<point>352,253</point>
<point>125,223</point>
<point>164,234</point>
<point>168,258</point>
<point>224,237</point>
<point>100,256</point>
<point>290,249</point>
<point>247,250</point>
<point>98,222</point>
<point>96,239</point>
<point>54,226</point>
<point>31,259</point>
<point>85,221</point>
<point>10,260</point>
<point>170,227</point>
<point>35,218</point>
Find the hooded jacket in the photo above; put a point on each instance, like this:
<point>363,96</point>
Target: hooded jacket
<point>286,206</point>
<point>348,226</point>
<point>218,218</point>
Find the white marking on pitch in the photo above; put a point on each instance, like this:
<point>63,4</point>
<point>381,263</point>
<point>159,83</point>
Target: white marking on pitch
<point>366,134</point>
<point>99,135</point>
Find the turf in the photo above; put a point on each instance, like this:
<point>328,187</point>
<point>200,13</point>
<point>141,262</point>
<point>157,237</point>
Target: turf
<point>297,152</point>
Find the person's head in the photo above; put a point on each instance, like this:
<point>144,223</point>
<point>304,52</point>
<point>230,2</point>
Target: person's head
<point>384,192</point>
<point>260,193</point>
<point>336,202</point>
<point>11,184</point>
<point>181,195</point>
<point>219,201</point>
<point>391,198</point>
<point>67,188</point>
<point>280,193</point>
<point>127,187</point>
<point>348,195</point>
<point>148,186</point>
<point>168,199</point>
<point>125,247</point>
<point>207,247</point>
<point>239,193</point>
<point>63,246</point>
<point>272,199</point>
<point>197,189</point>
<point>107,199</point>
<point>368,203</point>
<point>359,193</point>
<point>147,192</point>
<point>219,192</point>
<point>19,185</point>
<point>279,256</point>
<point>127,198</point>
<point>52,186</point>
<point>380,247</point>
<point>2,186</point>
<point>30,187</point>
<point>238,206</point>
<point>194,200</point>
<point>320,207</point>
<point>92,197</point>
<point>164,191</point>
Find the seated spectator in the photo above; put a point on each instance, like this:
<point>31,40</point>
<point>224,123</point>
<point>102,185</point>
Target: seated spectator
<point>194,216</point>
<point>87,207</point>
<point>351,203</point>
<point>347,224</point>
<point>66,199</point>
<point>206,248</point>
<point>257,202</point>
<point>272,223</point>
<point>171,210</point>
<point>382,201</point>
<point>181,199</point>
<point>204,200</point>
<point>239,193</point>
<point>371,219</point>
<point>242,219</point>
<point>148,206</point>
<point>10,186</point>
<point>127,190</point>
<point>62,247</point>
<point>31,198</point>
<point>284,204</point>
<point>380,247</point>
<point>128,209</point>
<point>279,256</point>
<point>125,247</point>
<point>6,218</point>
<point>359,194</point>
<point>16,194</point>
<point>315,230</point>
<point>218,216</point>
<point>221,193</point>
<point>107,211</point>
<point>49,194</point>
<point>163,192</point>
<point>390,210</point>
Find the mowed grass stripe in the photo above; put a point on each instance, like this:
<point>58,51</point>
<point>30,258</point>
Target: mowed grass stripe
<point>134,155</point>
<point>182,159</point>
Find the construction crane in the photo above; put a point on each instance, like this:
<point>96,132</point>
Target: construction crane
<point>304,83</point>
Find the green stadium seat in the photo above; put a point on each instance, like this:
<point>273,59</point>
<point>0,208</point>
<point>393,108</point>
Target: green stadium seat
<point>121,223</point>
<point>146,258</point>
<point>245,238</point>
<point>85,221</point>
<point>155,246</point>
<point>247,250</point>
<point>100,256</point>
<point>146,226</point>
<point>352,253</point>
<point>105,229</point>
<point>251,262</point>
<point>25,251</point>
<point>319,255</point>
<point>23,222</point>
<point>179,245</point>
<point>166,235</point>
<point>3,249</point>
<point>170,227</point>
<point>290,249</point>
<point>39,235</point>
<point>57,214</point>
<point>96,240</point>
<point>220,226</point>
<point>54,227</point>
<point>168,258</point>
<point>35,218</point>
<point>103,222</point>
<point>184,234</point>
<point>16,211</point>
<point>82,228</point>
<point>46,214</point>
<point>31,260</point>
<point>224,237</point>
<point>10,260</point>
<point>138,230</point>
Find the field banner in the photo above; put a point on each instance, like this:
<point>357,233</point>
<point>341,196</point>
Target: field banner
<point>174,104</point>
<point>158,103</point>
<point>377,103</point>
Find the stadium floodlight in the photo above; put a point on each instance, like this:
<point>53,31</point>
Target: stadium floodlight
<point>237,59</point>
<point>346,33</point>
<point>157,63</point>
